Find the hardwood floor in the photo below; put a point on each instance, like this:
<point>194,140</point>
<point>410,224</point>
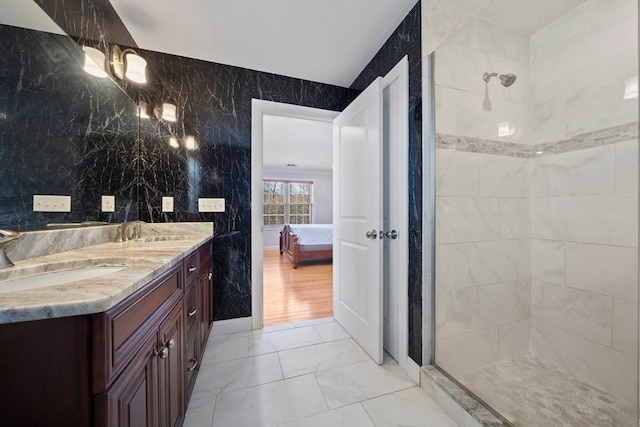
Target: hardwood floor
<point>296,294</point>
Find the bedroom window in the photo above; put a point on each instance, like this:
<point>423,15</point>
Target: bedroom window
<point>286,202</point>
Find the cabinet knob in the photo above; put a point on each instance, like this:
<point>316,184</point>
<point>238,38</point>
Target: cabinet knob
<point>163,353</point>
<point>171,343</point>
<point>210,276</point>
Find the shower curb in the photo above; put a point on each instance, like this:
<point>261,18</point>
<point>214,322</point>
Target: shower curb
<point>458,403</point>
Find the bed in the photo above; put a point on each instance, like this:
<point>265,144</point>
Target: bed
<point>303,242</point>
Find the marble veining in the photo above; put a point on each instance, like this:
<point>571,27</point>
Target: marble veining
<point>597,138</point>
<point>145,259</point>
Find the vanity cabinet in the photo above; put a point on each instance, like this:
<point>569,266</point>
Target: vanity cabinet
<point>132,365</point>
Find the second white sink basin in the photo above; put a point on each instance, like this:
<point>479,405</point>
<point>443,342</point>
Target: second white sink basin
<point>57,278</point>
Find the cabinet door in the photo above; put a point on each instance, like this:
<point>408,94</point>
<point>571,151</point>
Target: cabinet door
<point>132,401</point>
<point>170,368</point>
<point>206,302</point>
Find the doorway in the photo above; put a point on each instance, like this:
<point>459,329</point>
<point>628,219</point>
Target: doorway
<point>396,91</point>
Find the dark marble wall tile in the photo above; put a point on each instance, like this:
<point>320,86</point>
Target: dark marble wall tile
<point>214,106</point>
<point>88,20</point>
<point>406,41</point>
<point>62,131</point>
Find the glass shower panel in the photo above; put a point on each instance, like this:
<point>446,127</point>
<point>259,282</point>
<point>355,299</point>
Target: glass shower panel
<point>537,211</point>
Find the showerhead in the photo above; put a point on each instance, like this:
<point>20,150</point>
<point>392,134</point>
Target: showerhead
<point>506,79</point>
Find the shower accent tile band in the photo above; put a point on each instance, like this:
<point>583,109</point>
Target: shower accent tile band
<point>582,141</point>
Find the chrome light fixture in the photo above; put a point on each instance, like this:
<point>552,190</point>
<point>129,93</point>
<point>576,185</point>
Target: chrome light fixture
<point>94,62</point>
<point>127,63</point>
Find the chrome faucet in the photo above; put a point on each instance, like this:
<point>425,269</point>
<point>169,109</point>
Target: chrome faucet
<point>131,230</point>
<point>8,236</point>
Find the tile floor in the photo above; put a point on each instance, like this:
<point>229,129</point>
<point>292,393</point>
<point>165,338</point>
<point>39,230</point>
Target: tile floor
<point>308,373</point>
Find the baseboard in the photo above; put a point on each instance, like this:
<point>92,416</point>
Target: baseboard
<point>231,326</point>
<point>271,248</point>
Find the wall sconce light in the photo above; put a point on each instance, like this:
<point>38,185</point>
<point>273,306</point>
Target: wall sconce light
<point>173,142</point>
<point>631,88</point>
<point>142,110</point>
<point>506,129</point>
<point>190,143</point>
<point>167,112</point>
<point>94,62</point>
<point>127,63</point>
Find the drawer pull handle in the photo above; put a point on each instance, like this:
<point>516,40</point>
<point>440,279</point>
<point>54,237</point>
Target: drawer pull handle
<point>192,269</point>
<point>191,368</point>
<point>192,312</point>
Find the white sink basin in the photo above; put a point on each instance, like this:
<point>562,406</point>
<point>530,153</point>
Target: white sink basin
<point>56,278</point>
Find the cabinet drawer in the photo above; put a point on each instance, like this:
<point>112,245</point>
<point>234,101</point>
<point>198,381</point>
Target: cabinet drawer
<point>191,308</point>
<point>119,331</point>
<point>191,267</point>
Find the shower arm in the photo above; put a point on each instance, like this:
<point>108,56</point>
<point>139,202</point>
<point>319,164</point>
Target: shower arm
<point>487,76</point>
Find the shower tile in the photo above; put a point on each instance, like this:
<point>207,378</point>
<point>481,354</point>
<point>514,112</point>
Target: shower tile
<point>599,365</point>
<point>543,178</point>
<point>627,166</point>
<point>548,261</point>
<point>513,339</point>
<point>483,263</point>
<point>439,23</point>
<point>515,220</point>
<point>445,267</point>
<point>548,120</point>
<point>503,303</point>
<point>607,270</point>
<point>465,353</point>
<point>583,172</point>
<point>502,176</point>
<point>605,220</point>
<point>583,313</point>
<point>625,327</point>
<point>467,219</point>
<point>456,312</point>
<point>457,173</point>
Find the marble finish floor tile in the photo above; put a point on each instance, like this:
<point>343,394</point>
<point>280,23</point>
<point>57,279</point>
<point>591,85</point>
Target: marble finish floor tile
<point>313,358</point>
<point>530,392</point>
<point>360,381</point>
<point>347,416</point>
<point>231,349</point>
<point>269,404</point>
<point>312,322</point>
<point>236,374</point>
<point>200,410</point>
<point>283,340</point>
<point>332,332</point>
<point>410,407</point>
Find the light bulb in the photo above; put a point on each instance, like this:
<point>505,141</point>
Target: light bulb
<point>136,68</point>
<point>94,62</point>
<point>190,142</point>
<point>169,112</point>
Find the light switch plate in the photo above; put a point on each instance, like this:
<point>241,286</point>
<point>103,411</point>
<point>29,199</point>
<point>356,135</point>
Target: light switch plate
<point>167,204</point>
<point>211,204</point>
<point>108,203</point>
<point>46,203</point>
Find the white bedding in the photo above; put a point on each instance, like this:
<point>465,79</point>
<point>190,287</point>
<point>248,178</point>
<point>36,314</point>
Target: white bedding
<point>313,234</point>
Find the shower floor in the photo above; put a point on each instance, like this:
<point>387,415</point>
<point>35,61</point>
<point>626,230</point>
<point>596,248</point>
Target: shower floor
<point>531,393</point>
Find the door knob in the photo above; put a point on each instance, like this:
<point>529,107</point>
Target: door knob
<point>393,234</point>
<point>373,234</point>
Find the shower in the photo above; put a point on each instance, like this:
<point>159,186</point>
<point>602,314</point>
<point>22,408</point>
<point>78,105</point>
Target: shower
<point>506,79</point>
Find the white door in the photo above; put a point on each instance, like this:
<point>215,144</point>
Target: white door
<point>357,213</point>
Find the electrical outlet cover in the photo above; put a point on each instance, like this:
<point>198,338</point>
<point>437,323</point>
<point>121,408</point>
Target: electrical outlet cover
<point>108,203</point>
<point>167,204</point>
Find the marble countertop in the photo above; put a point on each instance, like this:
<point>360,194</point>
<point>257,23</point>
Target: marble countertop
<point>160,247</point>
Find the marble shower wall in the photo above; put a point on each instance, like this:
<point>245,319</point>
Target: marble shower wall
<point>406,40</point>
<point>482,199</point>
<point>62,131</point>
<point>537,232</point>
<point>584,201</point>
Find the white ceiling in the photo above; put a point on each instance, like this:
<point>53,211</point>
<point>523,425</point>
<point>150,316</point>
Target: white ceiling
<point>305,143</point>
<point>27,14</point>
<point>328,41</point>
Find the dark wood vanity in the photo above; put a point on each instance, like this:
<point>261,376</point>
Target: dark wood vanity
<point>132,365</point>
